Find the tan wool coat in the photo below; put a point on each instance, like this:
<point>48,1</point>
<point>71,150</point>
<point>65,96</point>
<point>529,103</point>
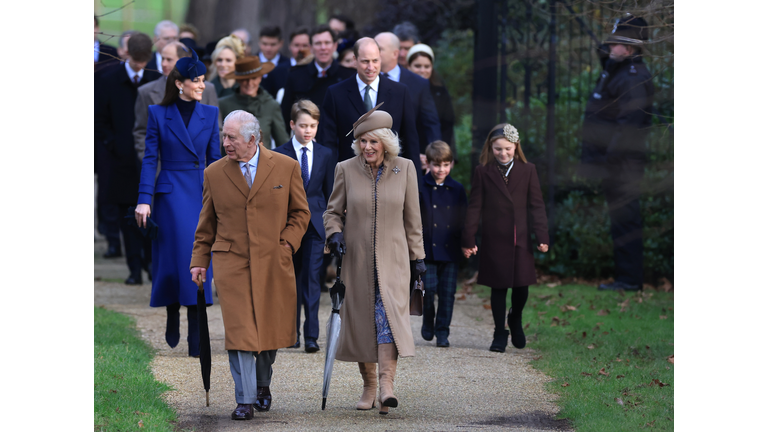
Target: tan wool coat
<point>245,232</point>
<point>398,239</point>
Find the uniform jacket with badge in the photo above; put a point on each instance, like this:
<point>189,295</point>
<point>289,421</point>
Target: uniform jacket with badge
<point>113,129</point>
<point>244,231</point>
<point>617,118</point>
<point>263,107</point>
<point>183,153</point>
<point>443,209</point>
<point>398,240</point>
<point>152,94</point>
<point>509,213</point>
<point>320,181</point>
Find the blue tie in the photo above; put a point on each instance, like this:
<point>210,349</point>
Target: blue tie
<point>304,167</point>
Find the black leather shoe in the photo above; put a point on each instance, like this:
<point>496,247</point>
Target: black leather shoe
<point>172,335</point>
<point>263,399</point>
<point>617,286</point>
<point>113,252</point>
<point>133,280</point>
<point>310,345</point>
<point>442,342</point>
<point>427,333</point>
<point>499,343</point>
<point>296,345</point>
<point>243,412</point>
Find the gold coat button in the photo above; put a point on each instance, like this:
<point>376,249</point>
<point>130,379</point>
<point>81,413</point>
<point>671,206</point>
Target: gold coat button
<point>434,205</point>
<point>434,188</point>
<point>435,225</point>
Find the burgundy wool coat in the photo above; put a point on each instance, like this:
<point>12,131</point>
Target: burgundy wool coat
<point>509,214</point>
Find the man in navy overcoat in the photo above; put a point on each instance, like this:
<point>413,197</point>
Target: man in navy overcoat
<point>346,101</point>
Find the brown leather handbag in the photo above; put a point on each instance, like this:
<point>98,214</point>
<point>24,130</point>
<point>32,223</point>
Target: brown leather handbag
<point>417,298</point>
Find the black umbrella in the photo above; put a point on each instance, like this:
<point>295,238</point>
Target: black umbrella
<point>205,339</point>
<point>334,327</point>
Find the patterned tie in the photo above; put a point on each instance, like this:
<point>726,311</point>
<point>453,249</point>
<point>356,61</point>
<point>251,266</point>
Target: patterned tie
<point>304,167</point>
<point>322,74</point>
<point>136,80</point>
<point>248,178</point>
<point>367,99</point>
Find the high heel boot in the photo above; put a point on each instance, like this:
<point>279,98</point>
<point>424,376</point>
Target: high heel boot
<point>387,368</point>
<point>368,399</point>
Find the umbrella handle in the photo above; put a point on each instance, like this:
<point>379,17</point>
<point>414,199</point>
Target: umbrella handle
<point>338,268</point>
<point>199,282</point>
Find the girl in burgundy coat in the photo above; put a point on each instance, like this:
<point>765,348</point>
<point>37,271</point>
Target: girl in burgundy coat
<point>506,196</point>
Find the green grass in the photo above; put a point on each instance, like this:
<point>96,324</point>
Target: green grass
<point>125,392</point>
<point>629,345</point>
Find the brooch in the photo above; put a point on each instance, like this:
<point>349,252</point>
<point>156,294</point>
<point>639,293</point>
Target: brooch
<point>395,169</point>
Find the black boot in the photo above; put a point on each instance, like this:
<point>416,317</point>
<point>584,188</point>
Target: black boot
<point>193,335</point>
<point>172,325</point>
<point>499,343</point>
<point>515,323</point>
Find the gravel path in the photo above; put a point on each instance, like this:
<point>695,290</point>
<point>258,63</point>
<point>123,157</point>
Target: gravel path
<point>464,387</point>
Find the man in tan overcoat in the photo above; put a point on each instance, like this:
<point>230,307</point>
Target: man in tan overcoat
<point>254,216</point>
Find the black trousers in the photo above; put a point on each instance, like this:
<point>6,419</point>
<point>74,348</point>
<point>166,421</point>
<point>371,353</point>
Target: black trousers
<point>622,191</point>
<point>138,250</point>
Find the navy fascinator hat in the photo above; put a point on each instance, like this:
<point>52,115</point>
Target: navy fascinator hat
<point>190,67</point>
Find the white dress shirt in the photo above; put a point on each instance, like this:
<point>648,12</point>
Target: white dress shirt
<point>273,61</point>
<point>394,74</point>
<point>320,69</point>
<point>293,62</point>
<point>254,162</point>
<point>132,74</point>
<point>297,147</point>
<point>159,59</point>
<point>373,92</point>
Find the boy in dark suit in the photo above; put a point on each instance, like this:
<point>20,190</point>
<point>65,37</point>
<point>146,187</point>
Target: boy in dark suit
<point>317,167</point>
<point>443,207</point>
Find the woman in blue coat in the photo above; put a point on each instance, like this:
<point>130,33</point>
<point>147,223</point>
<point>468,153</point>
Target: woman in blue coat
<point>183,136</point>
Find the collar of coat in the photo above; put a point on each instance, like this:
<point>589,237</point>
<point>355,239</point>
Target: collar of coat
<point>449,181</point>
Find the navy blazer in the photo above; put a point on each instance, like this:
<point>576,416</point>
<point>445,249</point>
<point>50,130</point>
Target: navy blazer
<point>443,209</point>
<point>320,181</point>
<point>180,149</point>
<point>343,105</point>
<point>427,121</point>
<point>276,79</point>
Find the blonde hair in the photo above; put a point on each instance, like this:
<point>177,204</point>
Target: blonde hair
<point>388,139</point>
<point>486,155</point>
<point>231,42</point>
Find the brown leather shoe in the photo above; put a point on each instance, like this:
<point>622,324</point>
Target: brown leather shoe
<point>387,368</point>
<point>368,399</point>
<point>243,412</point>
<point>263,399</point>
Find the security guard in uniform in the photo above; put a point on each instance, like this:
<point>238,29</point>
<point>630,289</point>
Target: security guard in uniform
<point>616,123</point>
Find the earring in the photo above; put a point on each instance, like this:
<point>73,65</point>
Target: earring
<point>180,92</point>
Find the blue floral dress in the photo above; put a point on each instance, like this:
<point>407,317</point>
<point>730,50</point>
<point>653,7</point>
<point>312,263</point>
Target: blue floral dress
<point>383,331</point>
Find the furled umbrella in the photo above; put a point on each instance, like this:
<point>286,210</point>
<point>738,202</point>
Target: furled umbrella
<point>332,330</point>
<point>205,339</point>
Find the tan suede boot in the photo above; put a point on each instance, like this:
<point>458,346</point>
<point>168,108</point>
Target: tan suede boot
<point>387,367</point>
<point>368,399</point>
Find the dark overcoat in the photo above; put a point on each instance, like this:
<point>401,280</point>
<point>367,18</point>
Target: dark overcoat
<point>510,213</point>
<point>443,209</point>
<point>276,79</point>
<point>303,83</point>
<point>184,152</point>
<point>113,129</point>
<point>343,105</point>
<point>445,114</point>
<point>427,121</point>
<point>320,181</point>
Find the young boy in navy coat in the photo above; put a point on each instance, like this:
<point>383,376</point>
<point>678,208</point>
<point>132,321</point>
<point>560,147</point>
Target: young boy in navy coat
<point>317,166</point>
<point>443,207</point>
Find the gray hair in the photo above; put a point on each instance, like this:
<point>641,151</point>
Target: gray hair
<point>407,31</point>
<point>165,24</point>
<point>388,139</point>
<point>121,42</point>
<point>249,124</point>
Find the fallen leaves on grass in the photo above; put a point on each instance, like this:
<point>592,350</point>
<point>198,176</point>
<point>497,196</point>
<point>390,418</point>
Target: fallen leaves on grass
<point>567,308</point>
<point>461,297</point>
<point>591,346</point>
<point>486,306</point>
<point>583,334</point>
<point>656,382</point>
<point>671,359</point>
<point>603,312</point>
<point>619,401</point>
<point>586,374</point>
<point>141,423</point>
<point>623,305</point>
<point>666,285</point>
<point>553,284</point>
<point>619,376</point>
<point>662,317</point>
<point>602,372</point>
<point>565,384</point>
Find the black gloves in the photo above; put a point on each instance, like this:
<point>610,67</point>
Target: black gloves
<point>336,244</point>
<point>418,268</point>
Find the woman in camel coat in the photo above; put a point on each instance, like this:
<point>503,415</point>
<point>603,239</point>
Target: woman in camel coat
<point>379,192</point>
